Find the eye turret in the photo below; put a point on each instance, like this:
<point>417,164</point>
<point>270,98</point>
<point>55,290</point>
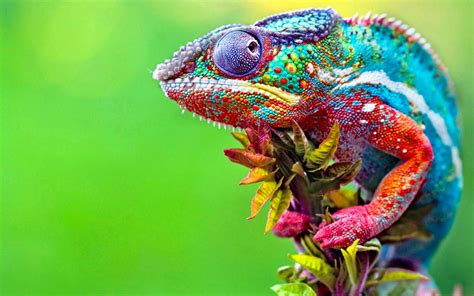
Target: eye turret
<point>237,53</point>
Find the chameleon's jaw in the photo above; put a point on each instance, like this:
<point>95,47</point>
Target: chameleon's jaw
<point>237,103</point>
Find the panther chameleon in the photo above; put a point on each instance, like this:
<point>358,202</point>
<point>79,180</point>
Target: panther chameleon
<point>379,79</point>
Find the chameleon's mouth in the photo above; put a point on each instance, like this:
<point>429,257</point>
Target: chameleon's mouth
<point>228,102</point>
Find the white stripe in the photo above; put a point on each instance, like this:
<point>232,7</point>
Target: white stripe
<point>368,107</point>
<point>380,77</point>
<point>441,128</point>
<point>456,161</point>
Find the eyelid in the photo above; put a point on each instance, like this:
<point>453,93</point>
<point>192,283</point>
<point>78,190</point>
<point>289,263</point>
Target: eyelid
<point>251,41</point>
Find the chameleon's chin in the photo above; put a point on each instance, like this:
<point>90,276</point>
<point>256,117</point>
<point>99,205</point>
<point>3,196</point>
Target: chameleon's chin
<point>236,103</point>
<point>207,100</point>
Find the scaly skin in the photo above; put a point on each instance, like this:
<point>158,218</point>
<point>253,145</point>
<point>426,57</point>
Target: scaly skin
<point>378,79</point>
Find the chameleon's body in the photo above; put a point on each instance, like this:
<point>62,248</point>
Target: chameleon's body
<point>378,79</point>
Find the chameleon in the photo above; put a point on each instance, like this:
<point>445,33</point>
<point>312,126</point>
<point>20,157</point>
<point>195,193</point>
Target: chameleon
<point>374,75</point>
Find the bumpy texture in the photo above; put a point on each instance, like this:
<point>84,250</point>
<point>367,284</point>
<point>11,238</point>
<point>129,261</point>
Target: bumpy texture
<point>291,224</point>
<point>375,76</point>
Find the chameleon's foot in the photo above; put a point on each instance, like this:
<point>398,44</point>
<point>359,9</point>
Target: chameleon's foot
<point>350,224</point>
<point>291,224</point>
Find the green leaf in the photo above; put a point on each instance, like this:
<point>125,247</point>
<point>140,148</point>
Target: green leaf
<point>248,158</point>
<point>257,175</point>
<point>349,255</point>
<point>264,193</point>
<point>280,202</point>
<point>293,289</point>
<point>289,179</point>
<point>405,288</point>
<point>286,272</point>
<point>301,142</point>
<point>327,217</point>
<point>320,157</point>
<point>242,138</point>
<point>373,247</point>
<point>298,169</point>
<point>310,247</point>
<point>393,274</point>
<point>317,266</point>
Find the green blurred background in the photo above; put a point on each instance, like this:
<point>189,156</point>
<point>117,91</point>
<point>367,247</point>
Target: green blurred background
<point>108,189</point>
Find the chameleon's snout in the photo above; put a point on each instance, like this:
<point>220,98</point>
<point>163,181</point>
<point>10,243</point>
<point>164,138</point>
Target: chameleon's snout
<point>172,68</point>
<point>181,60</point>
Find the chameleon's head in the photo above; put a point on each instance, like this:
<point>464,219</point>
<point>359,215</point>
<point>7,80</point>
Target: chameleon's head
<point>243,75</point>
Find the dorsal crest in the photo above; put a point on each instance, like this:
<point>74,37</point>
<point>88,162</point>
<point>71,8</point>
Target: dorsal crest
<point>399,27</point>
<point>307,25</point>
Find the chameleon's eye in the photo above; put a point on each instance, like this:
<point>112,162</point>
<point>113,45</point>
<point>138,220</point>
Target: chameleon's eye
<point>237,53</point>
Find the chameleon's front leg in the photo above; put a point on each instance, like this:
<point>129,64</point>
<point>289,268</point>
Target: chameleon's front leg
<point>394,133</point>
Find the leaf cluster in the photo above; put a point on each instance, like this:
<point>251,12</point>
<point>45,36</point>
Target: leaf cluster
<point>353,271</point>
<point>288,165</point>
<point>297,174</point>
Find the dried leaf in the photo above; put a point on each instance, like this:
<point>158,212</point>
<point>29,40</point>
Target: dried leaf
<point>280,202</point>
<point>242,138</point>
<point>248,158</point>
<point>318,267</point>
<point>282,140</point>
<point>252,135</point>
<point>345,172</point>
<point>264,193</point>
<point>267,146</point>
<point>320,157</point>
<point>257,175</point>
<point>301,142</point>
